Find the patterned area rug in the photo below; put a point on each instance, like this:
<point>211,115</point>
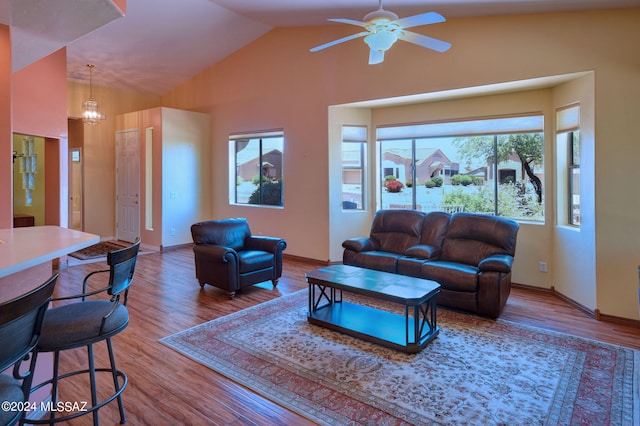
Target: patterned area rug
<point>98,250</point>
<point>476,372</point>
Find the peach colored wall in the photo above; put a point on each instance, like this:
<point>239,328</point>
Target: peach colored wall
<point>121,4</point>
<point>180,189</point>
<point>99,151</point>
<point>39,104</point>
<point>275,82</point>
<point>37,97</point>
<point>6,139</point>
<point>141,120</point>
<point>40,97</point>
<point>56,183</point>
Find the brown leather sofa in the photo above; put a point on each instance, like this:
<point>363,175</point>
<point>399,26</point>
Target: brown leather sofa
<point>469,255</point>
<point>227,256</point>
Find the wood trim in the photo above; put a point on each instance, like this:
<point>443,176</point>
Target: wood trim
<point>617,320</point>
<point>596,314</point>
<point>306,260</point>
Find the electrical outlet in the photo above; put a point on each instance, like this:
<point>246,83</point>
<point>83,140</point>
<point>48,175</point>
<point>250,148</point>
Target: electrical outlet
<point>543,266</point>
<point>172,231</point>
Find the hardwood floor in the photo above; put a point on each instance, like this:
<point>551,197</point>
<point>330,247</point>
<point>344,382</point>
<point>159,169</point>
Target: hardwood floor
<point>166,388</point>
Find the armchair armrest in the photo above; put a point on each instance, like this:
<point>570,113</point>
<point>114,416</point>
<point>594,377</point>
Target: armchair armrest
<point>423,251</point>
<point>360,244</point>
<point>215,253</point>
<point>496,263</point>
<point>270,244</point>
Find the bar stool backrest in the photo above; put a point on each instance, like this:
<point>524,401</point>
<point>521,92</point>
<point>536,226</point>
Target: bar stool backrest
<point>122,264</point>
<point>21,323</point>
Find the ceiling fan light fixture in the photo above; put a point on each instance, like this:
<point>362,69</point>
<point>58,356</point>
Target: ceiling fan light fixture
<point>380,14</point>
<point>381,40</point>
<point>384,28</point>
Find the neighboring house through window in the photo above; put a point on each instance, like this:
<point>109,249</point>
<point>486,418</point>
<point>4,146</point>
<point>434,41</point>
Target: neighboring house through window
<point>492,166</point>
<point>256,161</point>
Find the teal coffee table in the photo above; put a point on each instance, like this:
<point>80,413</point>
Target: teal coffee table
<point>409,332</point>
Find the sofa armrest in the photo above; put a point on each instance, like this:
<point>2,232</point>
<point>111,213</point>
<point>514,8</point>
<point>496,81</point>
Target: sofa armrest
<point>360,244</point>
<point>270,244</point>
<point>497,263</point>
<point>423,251</point>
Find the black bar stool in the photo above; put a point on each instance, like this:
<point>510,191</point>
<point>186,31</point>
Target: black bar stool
<point>20,326</point>
<point>87,322</point>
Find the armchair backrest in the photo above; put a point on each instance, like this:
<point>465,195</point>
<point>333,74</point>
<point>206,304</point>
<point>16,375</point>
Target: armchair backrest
<point>231,232</point>
<point>472,237</point>
<point>397,230</point>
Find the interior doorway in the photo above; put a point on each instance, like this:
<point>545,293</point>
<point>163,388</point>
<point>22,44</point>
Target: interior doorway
<point>75,189</point>
<point>127,185</point>
<point>28,180</point>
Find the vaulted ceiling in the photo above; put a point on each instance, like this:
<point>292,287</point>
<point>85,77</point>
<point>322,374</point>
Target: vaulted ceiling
<point>159,44</point>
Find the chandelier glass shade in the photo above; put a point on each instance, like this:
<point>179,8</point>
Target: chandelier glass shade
<point>90,114</point>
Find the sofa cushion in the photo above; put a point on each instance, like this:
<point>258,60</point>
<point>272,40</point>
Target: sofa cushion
<point>472,237</point>
<point>253,260</point>
<point>434,229</point>
<point>452,276</point>
<point>397,230</point>
<point>378,260</point>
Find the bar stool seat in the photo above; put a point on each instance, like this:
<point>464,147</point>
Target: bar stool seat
<point>81,324</point>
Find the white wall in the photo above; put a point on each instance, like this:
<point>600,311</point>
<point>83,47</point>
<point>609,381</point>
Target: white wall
<point>186,192</point>
<point>573,264</point>
<point>348,223</point>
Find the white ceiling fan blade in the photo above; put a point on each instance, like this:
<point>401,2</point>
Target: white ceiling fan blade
<point>340,40</point>
<point>421,19</point>
<point>425,41</point>
<point>375,56</point>
<point>348,21</point>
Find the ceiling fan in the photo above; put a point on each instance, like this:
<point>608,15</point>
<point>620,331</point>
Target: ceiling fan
<point>384,28</point>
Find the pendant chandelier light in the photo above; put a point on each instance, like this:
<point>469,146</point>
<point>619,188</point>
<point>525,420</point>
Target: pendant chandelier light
<point>90,114</point>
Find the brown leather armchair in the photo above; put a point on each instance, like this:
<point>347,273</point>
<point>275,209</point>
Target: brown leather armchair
<point>227,256</point>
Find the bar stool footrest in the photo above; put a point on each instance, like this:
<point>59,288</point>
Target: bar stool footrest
<point>91,409</point>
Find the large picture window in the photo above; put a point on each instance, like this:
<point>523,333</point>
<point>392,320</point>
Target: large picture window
<point>258,164</point>
<point>354,154</point>
<point>492,166</point>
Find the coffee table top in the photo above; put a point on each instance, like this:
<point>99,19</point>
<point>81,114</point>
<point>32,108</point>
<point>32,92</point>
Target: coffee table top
<point>384,285</point>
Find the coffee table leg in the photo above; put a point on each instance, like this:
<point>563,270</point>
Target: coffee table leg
<point>324,293</point>
<point>428,317</point>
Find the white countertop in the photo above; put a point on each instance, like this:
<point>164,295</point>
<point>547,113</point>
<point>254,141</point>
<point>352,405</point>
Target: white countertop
<point>22,248</point>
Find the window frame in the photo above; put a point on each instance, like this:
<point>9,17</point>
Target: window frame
<point>493,127</point>
<point>235,177</point>
<point>352,135</point>
<point>573,137</point>
<point>568,125</point>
